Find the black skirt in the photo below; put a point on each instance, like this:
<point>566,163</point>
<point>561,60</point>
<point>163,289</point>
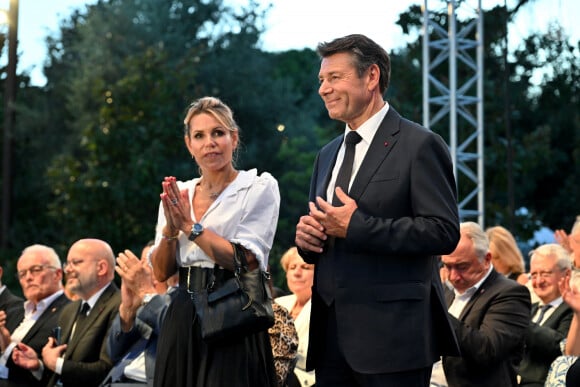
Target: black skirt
<point>184,359</point>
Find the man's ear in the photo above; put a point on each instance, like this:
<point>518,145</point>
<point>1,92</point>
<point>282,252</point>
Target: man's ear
<point>487,257</point>
<point>374,76</point>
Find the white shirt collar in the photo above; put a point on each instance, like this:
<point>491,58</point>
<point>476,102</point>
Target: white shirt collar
<point>554,303</point>
<point>368,129</point>
<point>95,297</point>
<point>30,309</point>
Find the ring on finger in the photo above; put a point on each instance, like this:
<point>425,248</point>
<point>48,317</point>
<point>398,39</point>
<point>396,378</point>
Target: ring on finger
<point>174,201</point>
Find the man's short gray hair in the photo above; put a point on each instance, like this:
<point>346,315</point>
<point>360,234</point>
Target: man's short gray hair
<point>478,236</point>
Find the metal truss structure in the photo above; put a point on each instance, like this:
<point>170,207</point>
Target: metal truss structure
<point>453,93</point>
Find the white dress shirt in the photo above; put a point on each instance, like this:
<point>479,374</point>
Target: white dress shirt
<point>367,132</point>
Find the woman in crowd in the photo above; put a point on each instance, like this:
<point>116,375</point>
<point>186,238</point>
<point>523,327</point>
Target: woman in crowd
<point>299,277</point>
<point>198,222</point>
<point>506,256</point>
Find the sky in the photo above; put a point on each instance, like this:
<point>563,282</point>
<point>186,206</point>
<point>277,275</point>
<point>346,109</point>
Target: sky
<point>295,24</point>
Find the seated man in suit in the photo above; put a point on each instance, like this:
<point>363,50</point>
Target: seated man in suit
<point>132,340</point>
<point>83,359</point>
<point>9,301</point>
<point>40,276</point>
<point>489,313</point>
<point>549,264</point>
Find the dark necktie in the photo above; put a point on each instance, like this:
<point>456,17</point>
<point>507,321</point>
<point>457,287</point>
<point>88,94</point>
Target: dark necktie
<point>325,272</point>
<point>345,171</point>
<point>543,310</point>
<point>82,316</point>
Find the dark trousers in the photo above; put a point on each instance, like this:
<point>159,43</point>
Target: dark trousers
<point>334,371</point>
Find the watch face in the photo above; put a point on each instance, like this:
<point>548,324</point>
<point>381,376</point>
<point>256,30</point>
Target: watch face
<point>195,231</point>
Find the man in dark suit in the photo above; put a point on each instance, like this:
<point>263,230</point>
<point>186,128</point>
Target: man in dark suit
<point>551,317</point>
<point>490,315</point>
<point>10,304</point>
<point>132,340</point>
<point>378,316</point>
<point>40,276</point>
<point>83,361</point>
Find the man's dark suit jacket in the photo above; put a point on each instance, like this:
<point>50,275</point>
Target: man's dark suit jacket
<point>36,338</point>
<point>14,308</point>
<point>388,297</point>
<point>543,345</point>
<point>491,330</point>
<point>147,326</point>
<point>86,362</point>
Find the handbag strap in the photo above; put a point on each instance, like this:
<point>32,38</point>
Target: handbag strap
<point>240,261</point>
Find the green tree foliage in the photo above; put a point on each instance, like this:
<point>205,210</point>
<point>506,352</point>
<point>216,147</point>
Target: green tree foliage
<point>133,67</point>
<point>547,127</point>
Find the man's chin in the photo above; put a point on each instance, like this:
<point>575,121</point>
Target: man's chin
<point>72,285</point>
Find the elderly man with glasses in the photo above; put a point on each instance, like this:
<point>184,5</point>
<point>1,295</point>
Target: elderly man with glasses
<point>40,275</point>
<point>550,264</point>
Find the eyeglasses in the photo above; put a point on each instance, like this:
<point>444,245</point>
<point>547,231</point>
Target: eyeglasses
<point>541,274</point>
<point>73,263</point>
<point>34,271</point>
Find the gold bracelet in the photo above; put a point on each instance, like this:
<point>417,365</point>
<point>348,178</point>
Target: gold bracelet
<point>170,238</point>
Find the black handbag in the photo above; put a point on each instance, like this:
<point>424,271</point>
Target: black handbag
<point>240,306</point>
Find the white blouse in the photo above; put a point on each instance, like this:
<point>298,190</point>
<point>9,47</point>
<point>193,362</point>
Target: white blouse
<point>246,213</point>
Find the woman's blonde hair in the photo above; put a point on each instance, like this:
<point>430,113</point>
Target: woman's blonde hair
<point>287,256</point>
<point>505,248</point>
<point>214,106</point>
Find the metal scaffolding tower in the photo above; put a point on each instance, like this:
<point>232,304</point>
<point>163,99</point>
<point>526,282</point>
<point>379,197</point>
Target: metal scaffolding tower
<point>453,93</point>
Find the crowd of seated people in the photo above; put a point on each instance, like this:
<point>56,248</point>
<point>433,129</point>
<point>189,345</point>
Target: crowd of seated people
<point>74,326</point>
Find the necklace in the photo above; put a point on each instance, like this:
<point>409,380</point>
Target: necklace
<point>213,195</point>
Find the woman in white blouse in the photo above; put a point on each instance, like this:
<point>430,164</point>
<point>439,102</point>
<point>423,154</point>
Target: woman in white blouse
<point>299,277</point>
<point>198,222</point>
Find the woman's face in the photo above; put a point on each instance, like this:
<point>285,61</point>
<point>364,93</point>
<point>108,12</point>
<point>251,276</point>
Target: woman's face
<point>210,143</point>
<point>300,276</point>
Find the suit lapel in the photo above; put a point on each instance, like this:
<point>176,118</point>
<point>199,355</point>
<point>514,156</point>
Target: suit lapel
<point>482,289</point>
<point>326,162</point>
<point>72,312</point>
<point>556,315</point>
<point>53,309</point>
<point>384,140</point>
<point>91,318</point>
